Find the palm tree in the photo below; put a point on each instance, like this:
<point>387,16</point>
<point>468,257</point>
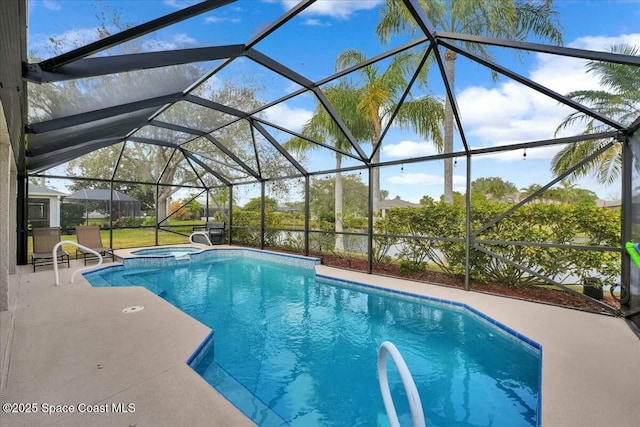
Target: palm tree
<point>619,98</point>
<point>381,93</point>
<point>322,127</point>
<point>529,190</point>
<point>511,19</point>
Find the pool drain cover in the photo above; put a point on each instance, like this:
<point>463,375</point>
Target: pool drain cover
<point>133,309</point>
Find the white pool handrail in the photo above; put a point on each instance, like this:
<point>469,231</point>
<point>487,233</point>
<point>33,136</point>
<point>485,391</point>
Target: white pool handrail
<point>54,253</point>
<point>200,233</point>
<point>415,405</point>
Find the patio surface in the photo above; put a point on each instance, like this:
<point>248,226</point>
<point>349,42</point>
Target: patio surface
<point>72,344</point>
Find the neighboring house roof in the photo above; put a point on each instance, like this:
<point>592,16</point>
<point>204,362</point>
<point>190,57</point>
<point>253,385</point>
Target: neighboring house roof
<point>396,203</point>
<point>609,203</point>
<point>99,194</point>
<point>37,190</point>
<point>288,209</point>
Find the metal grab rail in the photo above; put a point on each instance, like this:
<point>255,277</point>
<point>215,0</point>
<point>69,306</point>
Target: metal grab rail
<point>200,233</point>
<point>84,248</point>
<point>417,415</point>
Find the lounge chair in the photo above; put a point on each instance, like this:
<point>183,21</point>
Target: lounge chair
<point>89,236</point>
<point>44,239</point>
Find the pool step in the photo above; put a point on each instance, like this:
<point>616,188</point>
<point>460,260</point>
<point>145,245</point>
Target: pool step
<point>241,398</point>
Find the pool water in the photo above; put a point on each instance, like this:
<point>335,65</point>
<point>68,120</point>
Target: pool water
<point>168,251</point>
<point>290,348</point>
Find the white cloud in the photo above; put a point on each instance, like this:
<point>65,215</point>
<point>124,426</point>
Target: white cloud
<point>51,5</point>
<point>408,149</point>
<point>342,9</point>
<point>175,42</point>
<point>290,118</point>
<point>158,45</point>
<point>602,43</point>
<point>421,178</point>
<point>183,39</point>
<point>220,20</point>
<point>316,23</point>
<point>67,41</point>
<point>179,4</point>
<point>511,113</point>
<point>213,19</point>
<point>292,87</point>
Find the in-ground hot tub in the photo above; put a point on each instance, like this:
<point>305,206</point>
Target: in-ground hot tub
<point>176,251</point>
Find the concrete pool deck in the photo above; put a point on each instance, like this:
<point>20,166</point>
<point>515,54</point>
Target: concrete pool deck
<point>72,344</point>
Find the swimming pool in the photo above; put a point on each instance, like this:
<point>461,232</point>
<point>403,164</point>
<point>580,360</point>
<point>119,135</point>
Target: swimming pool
<point>168,251</point>
<point>292,348</point>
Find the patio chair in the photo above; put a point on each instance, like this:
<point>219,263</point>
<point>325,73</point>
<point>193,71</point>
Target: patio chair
<point>44,239</point>
<point>89,236</point>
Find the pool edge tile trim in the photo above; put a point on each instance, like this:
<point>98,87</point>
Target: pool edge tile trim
<point>510,331</point>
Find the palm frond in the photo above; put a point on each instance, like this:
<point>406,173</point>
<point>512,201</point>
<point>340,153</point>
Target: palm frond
<point>606,167</point>
<point>424,116</point>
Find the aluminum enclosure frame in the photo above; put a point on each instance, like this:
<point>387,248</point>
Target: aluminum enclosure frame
<point>46,152</point>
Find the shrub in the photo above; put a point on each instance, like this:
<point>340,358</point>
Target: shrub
<point>435,235</point>
<point>71,215</point>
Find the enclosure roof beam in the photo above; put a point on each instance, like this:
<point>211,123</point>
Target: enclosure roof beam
<point>217,143</point>
<point>132,33</point>
<point>341,124</point>
<point>635,125</point>
<point>152,141</point>
<point>485,150</point>
<point>99,66</point>
<point>45,143</point>
<point>234,166</point>
<point>544,142</point>
<point>295,10</point>
<point>63,144</point>
<point>262,108</point>
<point>51,159</point>
<point>306,138</point>
<point>286,17</point>
<point>396,110</point>
<point>255,147</point>
<point>206,167</point>
<point>177,128</point>
<point>533,85</point>
<point>216,106</point>
<point>233,157</point>
<point>427,27</point>
<point>164,169</point>
<point>213,140</point>
<point>103,113</point>
<point>279,147</point>
<point>373,60</point>
<point>615,58</point>
<point>279,68</point>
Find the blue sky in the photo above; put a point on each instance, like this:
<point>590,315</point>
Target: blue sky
<point>494,112</point>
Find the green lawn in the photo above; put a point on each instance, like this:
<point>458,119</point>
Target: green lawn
<point>129,238</point>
